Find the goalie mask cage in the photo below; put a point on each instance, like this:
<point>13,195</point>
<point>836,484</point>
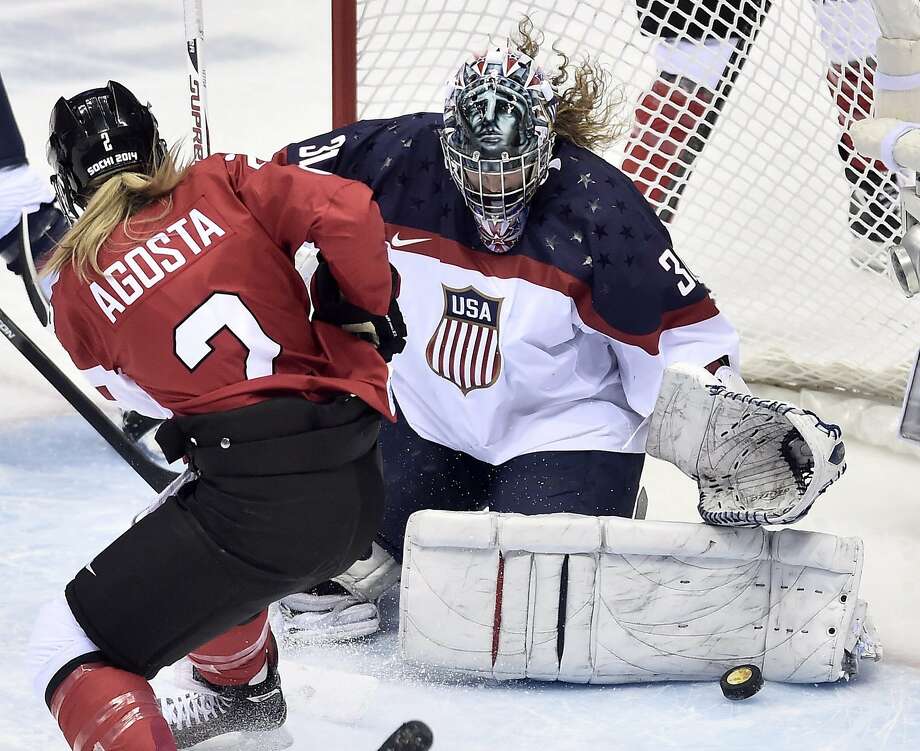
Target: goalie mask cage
<point>765,215</point>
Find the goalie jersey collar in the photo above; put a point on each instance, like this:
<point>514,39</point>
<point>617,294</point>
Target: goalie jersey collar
<point>588,229</point>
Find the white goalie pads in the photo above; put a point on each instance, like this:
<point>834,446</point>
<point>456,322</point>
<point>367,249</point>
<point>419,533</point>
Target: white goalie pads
<point>341,615</point>
<point>756,461</point>
<point>370,577</point>
<point>610,600</point>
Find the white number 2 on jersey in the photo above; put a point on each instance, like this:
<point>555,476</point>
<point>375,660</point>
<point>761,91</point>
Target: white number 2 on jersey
<point>224,310</point>
<point>670,262</point>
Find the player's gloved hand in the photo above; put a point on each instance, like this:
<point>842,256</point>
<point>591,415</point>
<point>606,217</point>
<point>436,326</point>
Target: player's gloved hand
<point>47,225</point>
<point>387,333</point>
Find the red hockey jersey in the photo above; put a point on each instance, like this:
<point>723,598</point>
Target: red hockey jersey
<point>200,309</point>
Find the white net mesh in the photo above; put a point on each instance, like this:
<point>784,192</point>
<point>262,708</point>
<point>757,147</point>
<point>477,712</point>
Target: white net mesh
<point>776,212</point>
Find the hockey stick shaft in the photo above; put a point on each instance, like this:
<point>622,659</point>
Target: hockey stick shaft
<point>30,276</point>
<point>154,475</point>
<point>197,78</point>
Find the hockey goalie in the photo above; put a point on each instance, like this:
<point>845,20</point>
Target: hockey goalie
<point>572,340</point>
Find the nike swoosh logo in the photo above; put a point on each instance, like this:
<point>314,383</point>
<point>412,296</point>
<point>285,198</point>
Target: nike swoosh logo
<point>398,242</point>
<point>264,697</point>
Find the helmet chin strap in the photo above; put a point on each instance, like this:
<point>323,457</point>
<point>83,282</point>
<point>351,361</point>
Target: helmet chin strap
<point>501,235</point>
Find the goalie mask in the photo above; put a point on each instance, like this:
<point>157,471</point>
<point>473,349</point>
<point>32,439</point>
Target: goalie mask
<point>498,140</point>
<point>95,135</point>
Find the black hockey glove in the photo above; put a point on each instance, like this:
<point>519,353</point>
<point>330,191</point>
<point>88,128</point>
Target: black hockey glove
<point>387,333</point>
<point>47,225</point>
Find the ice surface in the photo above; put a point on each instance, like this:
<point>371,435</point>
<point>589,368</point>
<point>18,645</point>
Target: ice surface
<point>64,494</point>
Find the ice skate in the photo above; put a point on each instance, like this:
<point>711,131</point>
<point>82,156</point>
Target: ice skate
<point>251,715</point>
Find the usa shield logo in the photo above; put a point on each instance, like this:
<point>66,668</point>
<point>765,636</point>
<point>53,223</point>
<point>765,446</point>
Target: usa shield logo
<point>464,348</point>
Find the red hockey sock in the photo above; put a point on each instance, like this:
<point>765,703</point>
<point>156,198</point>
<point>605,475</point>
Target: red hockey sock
<point>235,657</point>
<point>669,125</point>
<point>851,86</point>
<point>101,708</point>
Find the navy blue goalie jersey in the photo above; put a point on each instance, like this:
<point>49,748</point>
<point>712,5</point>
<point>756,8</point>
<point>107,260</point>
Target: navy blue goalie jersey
<point>558,344</point>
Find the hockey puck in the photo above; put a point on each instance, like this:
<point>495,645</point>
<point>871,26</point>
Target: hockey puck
<point>414,735</point>
<point>741,682</point>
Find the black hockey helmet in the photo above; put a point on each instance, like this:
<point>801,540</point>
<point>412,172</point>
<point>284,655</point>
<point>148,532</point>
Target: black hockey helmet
<point>96,134</point>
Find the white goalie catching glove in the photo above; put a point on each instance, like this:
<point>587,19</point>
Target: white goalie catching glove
<point>756,461</point>
<point>343,608</point>
<point>608,600</point>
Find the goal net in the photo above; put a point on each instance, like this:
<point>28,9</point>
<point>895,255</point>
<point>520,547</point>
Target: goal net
<point>737,113</point>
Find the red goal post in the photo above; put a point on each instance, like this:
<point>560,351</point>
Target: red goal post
<point>766,215</point>
<point>344,62</point>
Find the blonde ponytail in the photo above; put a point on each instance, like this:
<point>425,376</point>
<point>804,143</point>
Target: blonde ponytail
<point>115,202</point>
<point>589,109</point>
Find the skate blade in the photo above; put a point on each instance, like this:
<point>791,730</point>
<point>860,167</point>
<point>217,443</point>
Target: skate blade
<point>265,740</point>
<point>299,637</point>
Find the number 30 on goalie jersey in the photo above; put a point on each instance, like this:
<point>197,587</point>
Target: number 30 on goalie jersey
<point>670,262</point>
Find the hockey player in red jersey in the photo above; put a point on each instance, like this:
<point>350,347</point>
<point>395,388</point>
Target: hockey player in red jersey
<point>175,293</point>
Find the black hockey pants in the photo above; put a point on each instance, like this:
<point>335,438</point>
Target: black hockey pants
<point>290,494</point>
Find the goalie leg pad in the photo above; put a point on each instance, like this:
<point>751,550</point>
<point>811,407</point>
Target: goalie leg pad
<point>612,600</point>
<point>756,461</point>
<point>368,578</point>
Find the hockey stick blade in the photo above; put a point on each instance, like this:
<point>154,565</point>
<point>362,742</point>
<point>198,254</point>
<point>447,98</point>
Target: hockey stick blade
<point>414,735</point>
<point>153,474</point>
<point>30,276</point>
